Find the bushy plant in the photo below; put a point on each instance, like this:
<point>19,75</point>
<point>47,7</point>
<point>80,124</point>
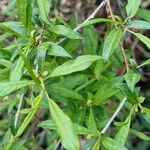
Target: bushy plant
<point>62,84</point>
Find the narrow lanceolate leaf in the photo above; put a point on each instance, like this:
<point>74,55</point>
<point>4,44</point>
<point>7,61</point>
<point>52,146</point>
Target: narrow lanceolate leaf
<point>111,43</point>
<point>16,28</point>
<point>97,145</point>
<point>143,14</point>
<point>25,12</point>
<point>131,79</point>
<point>64,92</point>
<point>44,9</point>
<point>91,122</point>
<point>5,63</point>
<point>143,39</point>
<point>132,7</point>
<point>106,91</point>
<point>79,64</point>
<point>54,49</point>
<point>90,40</point>
<point>112,144</point>
<point>139,24</point>
<point>122,135</point>
<point>49,124</point>
<point>64,127</point>
<point>140,135</point>
<point>10,86</point>
<point>29,117</point>
<point>65,31</point>
<point>16,71</point>
<point>147,62</point>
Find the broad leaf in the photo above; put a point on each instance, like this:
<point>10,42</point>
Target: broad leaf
<point>111,43</point>
<point>10,86</point>
<point>131,79</point>
<point>44,9</point>
<point>65,31</point>
<point>64,127</point>
<point>140,135</point>
<point>139,24</point>
<point>79,64</point>
<point>112,144</point>
<point>132,7</point>
<point>16,28</point>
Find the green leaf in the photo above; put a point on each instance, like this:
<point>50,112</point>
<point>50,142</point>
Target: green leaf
<point>5,63</point>
<point>91,122</point>
<point>29,117</point>
<point>131,79</point>
<point>49,124</point>
<point>26,121</point>
<point>132,7</point>
<point>90,40</point>
<point>44,9</point>
<point>54,49</point>
<point>10,86</point>
<point>16,28</point>
<point>106,91</point>
<point>144,14</point>
<point>112,144</point>
<point>143,39</point>
<point>90,143</point>
<point>140,135</point>
<point>147,62</point>
<point>79,64</point>
<point>94,21</point>
<point>111,43</point>
<point>64,127</point>
<point>6,104</point>
<point>25,12</point>
<point>97,145</point>
<point>65,31</point>
<point>64,92</point>
<point>16,72</point>
<point>139,24</point>
<point>122,135</point>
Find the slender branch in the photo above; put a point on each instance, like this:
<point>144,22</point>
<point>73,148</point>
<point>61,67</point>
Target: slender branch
<point>124,57</point>
<point>18,110</point>
<point>102,4</point>
<point>121,45</point>
<point>113,117</point>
